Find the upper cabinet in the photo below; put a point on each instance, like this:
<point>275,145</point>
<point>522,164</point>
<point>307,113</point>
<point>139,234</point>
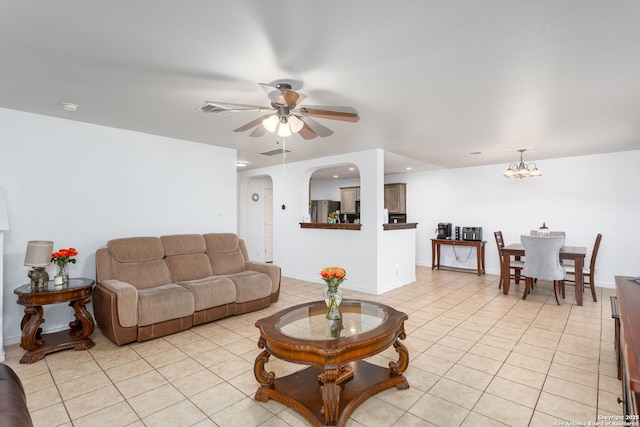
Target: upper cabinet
<point>395,197</point>
<point>348,198</point>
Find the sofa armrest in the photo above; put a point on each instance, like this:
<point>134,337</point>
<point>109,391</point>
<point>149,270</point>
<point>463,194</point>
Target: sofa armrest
<point>13,403</point>
<point>127,301</point>
<point>273,271</point>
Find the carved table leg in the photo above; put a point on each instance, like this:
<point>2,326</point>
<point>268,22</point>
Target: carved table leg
<point>397,368</point>
<point>330,394</point>
<point>83,326</point>
<point>265,378</point>
<point>31,339</point>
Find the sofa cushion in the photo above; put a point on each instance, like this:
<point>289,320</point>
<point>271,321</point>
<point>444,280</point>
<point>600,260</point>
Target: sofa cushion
<point>223,250</point>
<point>135,249</point>
<point>251,286</point>
<point>144,274</point>
<point>162,303</point>
<point>211,292</point>
<point>182,244</point>
<point>188,267</point>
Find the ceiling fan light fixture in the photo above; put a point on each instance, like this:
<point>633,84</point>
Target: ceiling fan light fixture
<point>271,123</point>
<point>284,129</point>
<point>295,124</point>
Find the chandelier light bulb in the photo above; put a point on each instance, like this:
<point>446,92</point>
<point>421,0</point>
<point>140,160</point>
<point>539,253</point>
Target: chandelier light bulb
<point>284,129</point>
<point>295,124</point>
<point>271,123</point>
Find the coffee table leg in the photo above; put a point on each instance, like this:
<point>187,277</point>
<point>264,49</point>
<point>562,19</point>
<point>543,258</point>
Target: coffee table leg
<point>397,368</point>
<point>330,394</point>
<point>262,376</point>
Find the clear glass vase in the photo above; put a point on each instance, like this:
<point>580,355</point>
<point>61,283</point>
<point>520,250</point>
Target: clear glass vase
<point>62,276</point>
<point>333,298</point>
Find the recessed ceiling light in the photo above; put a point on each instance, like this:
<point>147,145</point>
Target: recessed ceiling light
<point>408,168</point>
<point>352,169</point>
<point>241,163</point>
<point>69,106</point>
<point>335,176</point>
<point>475,153</point>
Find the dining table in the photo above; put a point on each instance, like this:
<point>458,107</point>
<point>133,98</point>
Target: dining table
<point>576,254</point>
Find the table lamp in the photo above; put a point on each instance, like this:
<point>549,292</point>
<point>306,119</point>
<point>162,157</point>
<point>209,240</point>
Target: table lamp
<point>38,256</point>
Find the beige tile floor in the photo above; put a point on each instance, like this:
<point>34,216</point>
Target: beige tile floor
<point>478,358</point>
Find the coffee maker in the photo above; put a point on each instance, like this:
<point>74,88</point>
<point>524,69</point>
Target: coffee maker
<point>444,230</point>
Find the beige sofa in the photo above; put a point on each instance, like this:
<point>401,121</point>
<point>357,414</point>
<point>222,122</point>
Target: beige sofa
<point>147,287</point>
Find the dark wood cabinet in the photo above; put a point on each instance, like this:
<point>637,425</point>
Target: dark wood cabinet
<point>395,197</point>
<point>628,343</point>
<point>348,198</point>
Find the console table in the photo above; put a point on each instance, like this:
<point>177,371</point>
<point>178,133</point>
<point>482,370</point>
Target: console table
<point>478,244</point>
<point>628,342</point>
<point>78,294</point>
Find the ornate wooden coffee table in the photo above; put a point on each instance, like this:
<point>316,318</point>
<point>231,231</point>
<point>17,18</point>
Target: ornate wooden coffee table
<point>337,379</point>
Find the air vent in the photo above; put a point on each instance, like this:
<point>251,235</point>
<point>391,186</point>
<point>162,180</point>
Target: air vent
<point>276,152</point>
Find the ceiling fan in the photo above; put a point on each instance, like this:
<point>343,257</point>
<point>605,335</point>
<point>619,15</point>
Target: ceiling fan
<point>285,115</point>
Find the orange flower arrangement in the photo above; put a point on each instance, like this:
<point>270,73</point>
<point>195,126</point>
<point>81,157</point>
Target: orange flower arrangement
<point>64,256</point>
<point>333,276</point>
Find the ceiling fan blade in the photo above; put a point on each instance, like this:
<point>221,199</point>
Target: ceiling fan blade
<point>319,129</point>
<point>306,132</point>
<point>225,107</point>
<point>345,114</point>
<point>291,97</point>
<point>252,123</point>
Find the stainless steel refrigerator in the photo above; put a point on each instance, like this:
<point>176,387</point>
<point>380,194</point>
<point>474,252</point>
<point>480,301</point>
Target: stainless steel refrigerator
<point>320,209</point>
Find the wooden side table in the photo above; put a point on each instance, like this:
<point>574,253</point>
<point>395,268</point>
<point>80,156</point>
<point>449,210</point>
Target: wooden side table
<point>78,294</point>
<point>478,244</point>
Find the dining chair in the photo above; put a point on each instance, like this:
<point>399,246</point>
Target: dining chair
<point>542,261</point>
<point>588,273</point>
<point>514,264</point>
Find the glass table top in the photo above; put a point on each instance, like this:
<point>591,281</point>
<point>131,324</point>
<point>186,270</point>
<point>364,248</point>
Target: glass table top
<point>310,322</point>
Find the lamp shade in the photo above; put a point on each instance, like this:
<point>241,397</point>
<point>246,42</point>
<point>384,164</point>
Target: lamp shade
<point>38,253</point>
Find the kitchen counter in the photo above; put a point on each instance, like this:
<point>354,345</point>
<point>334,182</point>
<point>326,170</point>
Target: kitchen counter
<point>400,226</point>
<point>326,226</point>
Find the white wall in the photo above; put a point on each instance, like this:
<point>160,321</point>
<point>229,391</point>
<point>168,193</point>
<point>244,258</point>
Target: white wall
<point>80,185</point>
<point>582,195</point>
<point>302,253</point>
<point>4,227</point>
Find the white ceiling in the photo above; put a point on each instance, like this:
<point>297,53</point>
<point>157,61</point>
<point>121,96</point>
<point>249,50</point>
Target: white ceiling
<point>431,80</point>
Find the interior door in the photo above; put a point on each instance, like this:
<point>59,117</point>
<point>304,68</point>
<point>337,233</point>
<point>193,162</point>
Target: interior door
<point>268,225</point>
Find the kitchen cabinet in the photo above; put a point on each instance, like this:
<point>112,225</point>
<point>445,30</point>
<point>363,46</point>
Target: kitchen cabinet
<point>348,198</point>
<point>395,197</point>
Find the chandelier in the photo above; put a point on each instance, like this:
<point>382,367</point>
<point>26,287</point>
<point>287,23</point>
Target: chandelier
<point>522,170</point>
<point>284,124</point>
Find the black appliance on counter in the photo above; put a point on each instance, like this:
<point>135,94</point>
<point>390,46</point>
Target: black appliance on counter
<point>472,233</point>
<point>397,218</point>
<point>444,230</point>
